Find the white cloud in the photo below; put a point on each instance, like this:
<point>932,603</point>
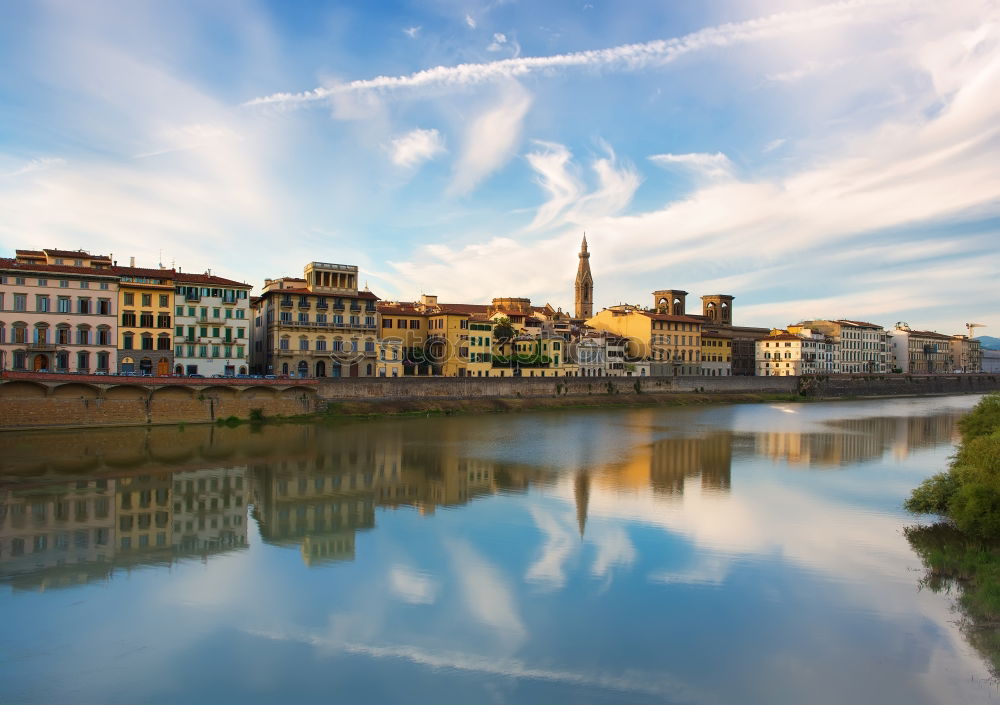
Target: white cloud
<point>628,57</point>
<point>39,164</point>
<point>568,201</point>
<point>412,32</point>
<point>774,144</point>
<point>470,21</point>
<point>416,147</point>
<point>491,139</point>
<point>549,569</point>
<point>486,595</point>
<point>711,166</point>
<point>411,586</point>
<point>499,39</point>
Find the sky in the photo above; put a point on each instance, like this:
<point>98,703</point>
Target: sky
<point>813,159</point>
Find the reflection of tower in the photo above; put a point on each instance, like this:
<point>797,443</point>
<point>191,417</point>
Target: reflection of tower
<point>584,288</point>
<point>582,493</point>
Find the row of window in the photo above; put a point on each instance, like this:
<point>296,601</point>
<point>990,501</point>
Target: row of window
<point>217,313</point>
<point>216,332</point>
<point>320,345</point>
<point>63,334</point>
<point>163,341</point>
<point>64,304</point>
<point>63,283</point>
<point>412,323</point>
<point>322,319</point>
<point>210,351</point>
<point>128,299</point>
<point>20,361</point>
<point>676,340</point>
<point>145,320</point>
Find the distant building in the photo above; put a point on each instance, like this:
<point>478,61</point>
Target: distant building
<point>716,355</point>
<point>584,286</point>
<point>788,354</point>
<point>920,351</point>
<point>863,347</point>
<point>966,354</point>
<point>991,361</point>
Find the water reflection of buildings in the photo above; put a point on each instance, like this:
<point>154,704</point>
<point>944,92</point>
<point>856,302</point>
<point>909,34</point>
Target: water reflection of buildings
<point>856,440</point>
<point>322,498</point>
<point>59,533</point>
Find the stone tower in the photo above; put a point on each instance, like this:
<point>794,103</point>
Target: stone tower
<point>584,284</point>
<point>670,301</point>
<point>718,309</point>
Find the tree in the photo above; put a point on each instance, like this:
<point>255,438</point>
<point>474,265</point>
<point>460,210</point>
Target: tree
<point>503,332</point>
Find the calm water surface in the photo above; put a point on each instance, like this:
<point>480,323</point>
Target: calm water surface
<point>730,554</point>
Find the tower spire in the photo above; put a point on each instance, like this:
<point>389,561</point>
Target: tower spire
<point>584,286</point>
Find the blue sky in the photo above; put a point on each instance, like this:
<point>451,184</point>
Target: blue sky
<point>811,158</point>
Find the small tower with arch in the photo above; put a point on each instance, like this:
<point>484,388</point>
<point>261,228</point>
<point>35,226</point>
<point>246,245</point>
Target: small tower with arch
<point>670,301</point>
<point>718,309</point>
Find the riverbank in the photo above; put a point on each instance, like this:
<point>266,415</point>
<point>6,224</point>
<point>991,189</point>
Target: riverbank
<point>963,552</point>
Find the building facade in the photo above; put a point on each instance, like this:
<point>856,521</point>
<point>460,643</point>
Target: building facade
<point>785,354</point>
<point>211,325</point>
<point>321,325</point>
<point>863,347</point>
<point>58,317</point>
<point>920,352</point>
<point>145,324</point>
<point>716,355</point>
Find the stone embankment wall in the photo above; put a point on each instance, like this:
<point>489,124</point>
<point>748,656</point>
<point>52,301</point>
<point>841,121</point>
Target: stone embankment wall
<point>827,386</point>
<point>39,401</point>
<point>45,401</point>
<point>389,389</point>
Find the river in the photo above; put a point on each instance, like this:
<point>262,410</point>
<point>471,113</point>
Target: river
<point>713,554</point>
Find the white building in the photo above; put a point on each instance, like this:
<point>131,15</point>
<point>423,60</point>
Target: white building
<point>806,352</point>
<point>212,325</point>
<point>863,347</point>
<point>600,354</point>
<point>991,361</point>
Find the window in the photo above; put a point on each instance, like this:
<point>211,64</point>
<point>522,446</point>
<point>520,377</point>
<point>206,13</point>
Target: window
<point>202,351</point>
<point>128,319</point>
<point>63,304</point>
<point>215,351</point>
<point>19,281</point>
<point>83,305</point>
<point>147,299</point>
<point>63,284</point>
<point>285,316</point>
<point>240,313</point>
<point>146,319</point>
<point>147,341</point>
<point>303,344</point>
<point>83,335</point>
<point>163,320</point>
<point>83,360</point>
<point>43,282</point>
<point>42,304</point>
<point>104,286</point>
<point>20,302</point>
<point>215,313</point>
<point>163,342</point>
<point>241,332</point>
<point>414,323</point>
<point>164,300</point>
<point>128,341</point>
<point>283,344</point>
<point>128,299</point>
<point>84,285</point>
<point>321,344</point>
<point>104,307</point>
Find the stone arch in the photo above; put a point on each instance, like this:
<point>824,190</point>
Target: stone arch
<point>22,390</point>
<point>76,389</point>
<point>259,393</point>
<point>39,361</point>
<point>303,368</point>
<point>126,392</point>
<point>320,368</point>
<point>177,393</point>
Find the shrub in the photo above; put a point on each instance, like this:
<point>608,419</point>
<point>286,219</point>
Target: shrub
<point>256,415</point>
<point>934,494</point>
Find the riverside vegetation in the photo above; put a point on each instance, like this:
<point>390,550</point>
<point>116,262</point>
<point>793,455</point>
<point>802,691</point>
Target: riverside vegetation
<point>963,551</point>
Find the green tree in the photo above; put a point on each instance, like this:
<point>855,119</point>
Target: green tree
<point>503,332</point>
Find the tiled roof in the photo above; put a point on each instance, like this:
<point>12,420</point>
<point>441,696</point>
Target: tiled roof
<point>144,272</point>
<point>783,336</point>
<point>399,308</point>
<point>79,254</point>
<point>860,324</point>
<point>307,292</point>
<point>462,308</point>
<point>208,279</point>
<point>8,263</point>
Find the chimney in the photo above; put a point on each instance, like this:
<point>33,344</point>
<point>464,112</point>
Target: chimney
<point>131,261</point>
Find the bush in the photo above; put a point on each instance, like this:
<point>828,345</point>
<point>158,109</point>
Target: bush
<point>984,419</point>
<point>933,495</point>
<point>256,415</point>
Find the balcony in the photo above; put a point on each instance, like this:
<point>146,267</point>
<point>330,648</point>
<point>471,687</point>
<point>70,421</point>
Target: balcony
<point>41,347</point>
<point>189,298</point>
<point>304,304</point>
<point>286,303</point>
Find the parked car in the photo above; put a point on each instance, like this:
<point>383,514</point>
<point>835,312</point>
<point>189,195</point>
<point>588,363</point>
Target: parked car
<point>196,376</point>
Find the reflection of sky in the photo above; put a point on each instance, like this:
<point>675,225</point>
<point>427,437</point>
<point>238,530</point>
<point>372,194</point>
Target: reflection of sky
<point>791,587</point>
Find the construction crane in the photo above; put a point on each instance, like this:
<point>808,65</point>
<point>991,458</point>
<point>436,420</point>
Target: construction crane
<point>972,328</point>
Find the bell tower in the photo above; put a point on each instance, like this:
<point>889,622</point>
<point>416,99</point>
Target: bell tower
<point>584,288</point>
<point>718,309</point>
<point>670,301</point>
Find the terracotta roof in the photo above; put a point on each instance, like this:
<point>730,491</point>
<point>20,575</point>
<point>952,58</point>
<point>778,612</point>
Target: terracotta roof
<point>208,279</point>
<point>399,308</point>
<point>8,263</point>
<point>930,334</point>
<point>144,272</point>
<point>79,254</point>
<point>462,308</point>
<point>783,336</point>
<point>307,292</point>
<point>861,324</point>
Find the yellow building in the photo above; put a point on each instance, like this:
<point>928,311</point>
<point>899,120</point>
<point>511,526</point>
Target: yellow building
<point>390,358</point>
<point>671,343</point>
<point>716,355</point>
<point>480,348</point>
<point>145,322</point>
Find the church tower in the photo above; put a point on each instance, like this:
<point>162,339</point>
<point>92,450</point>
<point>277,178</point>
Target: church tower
<point>584,284</point>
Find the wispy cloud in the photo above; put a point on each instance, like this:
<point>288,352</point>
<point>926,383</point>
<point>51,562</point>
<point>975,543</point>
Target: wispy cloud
<point>491,138</point>
<point>416,147</point>
<point>412,32</point>
<point>711,166</point>
<point>470,21</point>
<point>627,57</point>
<point>411,586</point>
